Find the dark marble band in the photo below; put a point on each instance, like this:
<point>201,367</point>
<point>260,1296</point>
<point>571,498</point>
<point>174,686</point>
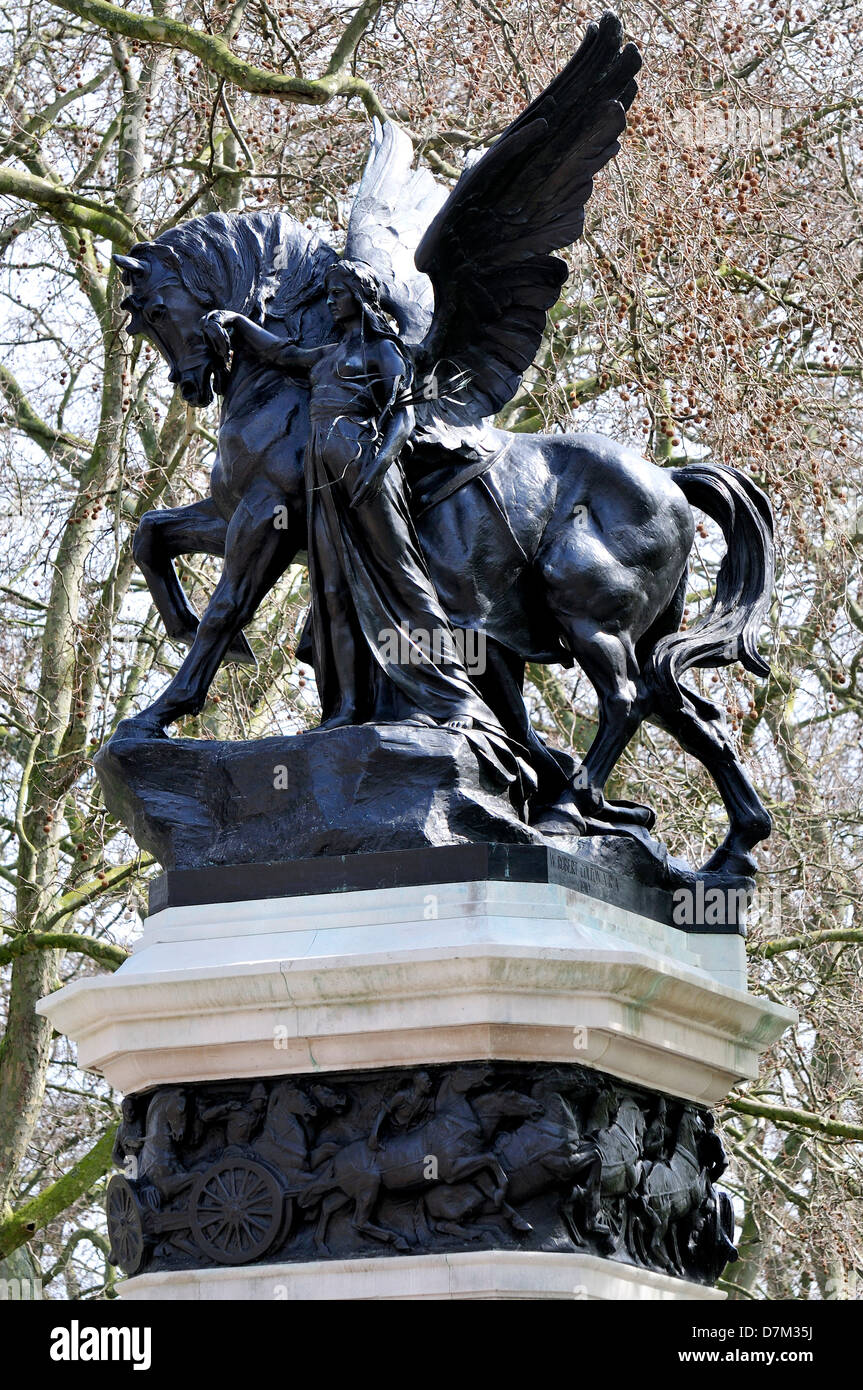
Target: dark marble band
<point>612,869</point>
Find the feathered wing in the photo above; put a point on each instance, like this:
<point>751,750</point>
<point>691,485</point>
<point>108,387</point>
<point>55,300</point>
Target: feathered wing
<point>393,206</point>
<point>488,252</point>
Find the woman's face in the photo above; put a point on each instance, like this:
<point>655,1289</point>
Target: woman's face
<point>340,300</point>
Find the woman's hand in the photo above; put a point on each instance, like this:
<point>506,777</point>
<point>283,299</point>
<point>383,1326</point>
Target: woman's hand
<point>217,327</point>
<point>371,479</point>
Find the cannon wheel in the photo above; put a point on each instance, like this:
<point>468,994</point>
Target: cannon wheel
<point>125,1229</point>
<point>236,1211</point>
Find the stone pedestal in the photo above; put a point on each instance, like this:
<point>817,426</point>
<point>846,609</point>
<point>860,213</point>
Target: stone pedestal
<point>491,1274</point>
<point>507,1018</point>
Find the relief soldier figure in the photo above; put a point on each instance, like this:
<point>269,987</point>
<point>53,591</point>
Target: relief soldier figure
<point>408,1107</point>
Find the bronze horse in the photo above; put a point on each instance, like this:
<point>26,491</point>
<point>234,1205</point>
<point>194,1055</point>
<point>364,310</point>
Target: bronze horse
<point>563,547</point>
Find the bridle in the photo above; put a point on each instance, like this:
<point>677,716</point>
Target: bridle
<point>136,304</point>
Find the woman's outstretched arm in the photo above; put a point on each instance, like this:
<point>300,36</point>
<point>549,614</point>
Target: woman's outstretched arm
<point>223,329</point>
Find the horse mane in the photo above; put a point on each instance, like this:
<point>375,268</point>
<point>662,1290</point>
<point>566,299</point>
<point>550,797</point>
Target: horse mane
<point>262,264</point>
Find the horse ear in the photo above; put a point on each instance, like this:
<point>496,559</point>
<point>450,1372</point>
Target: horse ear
<point>130,265</point>
<point>161,251</point>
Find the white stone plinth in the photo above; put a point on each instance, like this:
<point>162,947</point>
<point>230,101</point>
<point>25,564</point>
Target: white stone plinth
<point>492,1274</point>
<point>411,976</point>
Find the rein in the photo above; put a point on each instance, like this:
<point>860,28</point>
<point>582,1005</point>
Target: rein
<point>457,481</point>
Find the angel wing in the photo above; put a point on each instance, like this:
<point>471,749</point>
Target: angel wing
<point>488,250</point>
<point>393,206</point>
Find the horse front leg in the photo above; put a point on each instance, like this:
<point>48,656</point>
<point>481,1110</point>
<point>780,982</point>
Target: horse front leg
<point>573,579</point>
<point>585,1198</point>
<point>364,1203</point>
<point>161,536</point>
<point>478,1164</point>
<point>257,553</point>
<point>500,682</point>
<point>488,1180</point>
<point>331,1203</point>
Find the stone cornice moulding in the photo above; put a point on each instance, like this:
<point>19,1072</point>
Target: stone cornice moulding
<point>650,1021</point>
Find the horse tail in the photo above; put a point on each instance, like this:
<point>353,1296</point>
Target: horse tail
<point>728,632</point>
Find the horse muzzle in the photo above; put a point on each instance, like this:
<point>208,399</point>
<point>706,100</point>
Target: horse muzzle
<point>195,384</point>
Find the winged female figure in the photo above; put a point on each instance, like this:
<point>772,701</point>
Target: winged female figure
<point>558,547</point>
<point>368,577</point>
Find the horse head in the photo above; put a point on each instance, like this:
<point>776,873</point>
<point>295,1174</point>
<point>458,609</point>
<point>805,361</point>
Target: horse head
<point>287,1099</point>
<point>630,1117</point>
<point>691,1131</point>
<point>514,1104</point>
<point>165,311</point>
<point>167,1116</point>
<point>328,1099</point>
<point>469,1078</point>
<point>256,264</point>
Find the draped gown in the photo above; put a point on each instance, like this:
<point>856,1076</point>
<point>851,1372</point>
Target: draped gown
<point>383,647</point>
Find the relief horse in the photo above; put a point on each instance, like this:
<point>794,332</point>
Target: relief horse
<point>545,1152</point>
<point>283,1140</point>
<point>566,547</point>
<point>159,1163</point>
<point>619,1142</point>
<point>446,1207</point>
<point>674,1198</point>
<point>452,1138</point>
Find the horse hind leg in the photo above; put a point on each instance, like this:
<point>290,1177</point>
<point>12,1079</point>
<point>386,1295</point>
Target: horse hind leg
<point>608,661</point>
<point>657,1252</point>
<point>362,1219</point>
<point>675,1250</point>
<point>331,1203</point>
<point>699,727</point>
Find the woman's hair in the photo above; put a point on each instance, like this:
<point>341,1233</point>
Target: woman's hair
<point>369,292</point>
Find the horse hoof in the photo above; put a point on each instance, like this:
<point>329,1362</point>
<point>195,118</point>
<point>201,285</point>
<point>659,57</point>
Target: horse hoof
<point>559,820</point>
<point>731,864</point>
<point>603,1233</point>
<point>402,1245</point>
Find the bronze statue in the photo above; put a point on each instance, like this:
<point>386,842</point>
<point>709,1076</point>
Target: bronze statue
<point>554,548</point>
